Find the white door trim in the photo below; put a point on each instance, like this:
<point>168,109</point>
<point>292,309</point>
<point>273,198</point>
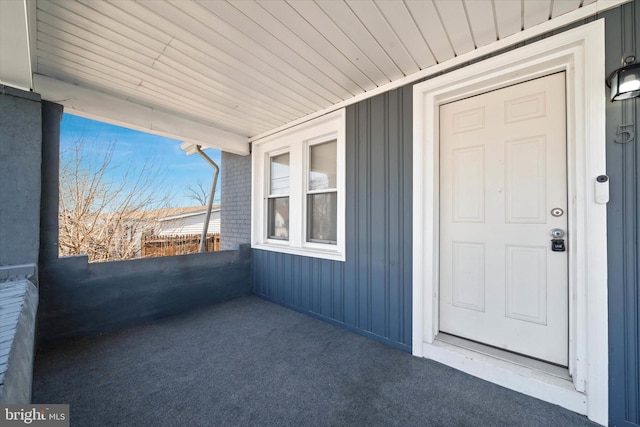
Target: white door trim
<point>579,52</point>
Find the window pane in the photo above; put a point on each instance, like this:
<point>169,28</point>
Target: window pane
<point>279,174</point>
<point>322,173</point>
<point>322,217</point>
<point>278,217</point>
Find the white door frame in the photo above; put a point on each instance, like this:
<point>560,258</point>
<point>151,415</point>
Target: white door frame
<point>580,53</point>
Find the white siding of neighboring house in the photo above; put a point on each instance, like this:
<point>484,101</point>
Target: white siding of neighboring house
<point>189,224</point>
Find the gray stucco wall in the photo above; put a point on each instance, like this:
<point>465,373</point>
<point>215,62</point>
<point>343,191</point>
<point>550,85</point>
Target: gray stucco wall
<point>235,203</point>
<point>20,136</point>
<point>78,298</point>
<point>20,162</point>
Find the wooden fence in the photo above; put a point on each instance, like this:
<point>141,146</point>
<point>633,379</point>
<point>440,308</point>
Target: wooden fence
<point>155,246</point>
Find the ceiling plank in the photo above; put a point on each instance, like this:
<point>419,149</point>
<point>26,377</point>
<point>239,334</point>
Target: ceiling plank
<point>49,24</point>
<point>151,95</point>
<point>508,17</point>
<point>15,60</point>
<point>482,21</point>
<point>453,18</point>
<point>104,23</point>
<point>61,67</point>
<point>227,68</point>
<point>109,70</point>
<point>560,7</point>
<point>115,72</point>
<point>296,45</point>
<point>94,30</point>
<point>148,97</point>
<point>536,12</point>
<point>114,109</point>
<point>261,44</point>
<point>216,36</point>
<point>131,20</point>
<point>425,15</point>
<point>173,73</point>
<point>349,23</point>
<point>399,17</point>
<point>179,56</point>
<point>322,23</point>
<point>307,32</point>
<point>377,24</point>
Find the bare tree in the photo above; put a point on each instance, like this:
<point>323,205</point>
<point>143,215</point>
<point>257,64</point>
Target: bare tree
<point>197,193</point>
<point>101,216</point>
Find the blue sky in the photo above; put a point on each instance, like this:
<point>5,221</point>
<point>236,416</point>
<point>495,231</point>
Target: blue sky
<point>133,148</point>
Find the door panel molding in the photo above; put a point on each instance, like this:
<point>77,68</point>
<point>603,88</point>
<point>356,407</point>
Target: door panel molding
<point>580,53</point>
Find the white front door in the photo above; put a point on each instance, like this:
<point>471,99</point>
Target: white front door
<point>503,188</point>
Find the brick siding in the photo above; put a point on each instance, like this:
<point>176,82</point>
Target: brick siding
<point>235,206</point>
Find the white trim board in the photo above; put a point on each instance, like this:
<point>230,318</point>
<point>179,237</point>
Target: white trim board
<point>93,104</point>
<point>580,53</point>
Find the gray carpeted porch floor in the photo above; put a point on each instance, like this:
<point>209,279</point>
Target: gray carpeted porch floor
<point>250,362</point>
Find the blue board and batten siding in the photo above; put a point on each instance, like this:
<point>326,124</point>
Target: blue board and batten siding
<point>371,292</point>
<point>623,167</point>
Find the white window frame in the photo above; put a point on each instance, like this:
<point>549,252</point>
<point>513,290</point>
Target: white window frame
<point>268,195</point>
<point>307,192</point>
<point>297,141</point>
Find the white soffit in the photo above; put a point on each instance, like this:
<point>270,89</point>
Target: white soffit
<point>250,68</point>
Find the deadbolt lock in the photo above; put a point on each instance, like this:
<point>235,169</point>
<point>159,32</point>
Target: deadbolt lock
<point>557,233</point>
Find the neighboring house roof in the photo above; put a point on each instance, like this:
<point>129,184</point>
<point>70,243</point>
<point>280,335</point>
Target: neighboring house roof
<point>169,213</point>
<point>188,223</point>
<point>203,210</point>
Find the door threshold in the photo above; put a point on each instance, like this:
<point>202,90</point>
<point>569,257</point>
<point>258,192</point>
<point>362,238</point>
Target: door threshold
<point>507,356</point>
<point>534,378</point>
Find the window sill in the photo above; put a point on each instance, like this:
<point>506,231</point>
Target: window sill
<point>334,254</point>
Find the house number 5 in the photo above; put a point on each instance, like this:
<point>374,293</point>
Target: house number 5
<point>625,133</point>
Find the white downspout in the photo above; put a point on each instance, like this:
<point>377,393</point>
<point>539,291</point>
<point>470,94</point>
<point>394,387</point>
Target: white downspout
<point>190,149</point>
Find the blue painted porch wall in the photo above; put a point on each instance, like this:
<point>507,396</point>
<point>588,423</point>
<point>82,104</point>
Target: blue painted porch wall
<point>623,167</point>
<point>370,293</point>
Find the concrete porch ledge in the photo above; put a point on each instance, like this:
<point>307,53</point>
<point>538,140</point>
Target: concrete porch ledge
<point>18,307</point>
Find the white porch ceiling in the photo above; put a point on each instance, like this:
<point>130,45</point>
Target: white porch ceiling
<point>249,67</point>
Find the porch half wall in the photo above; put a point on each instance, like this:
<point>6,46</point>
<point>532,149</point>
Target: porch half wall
<point>80,299</point>
<point>370,293</point>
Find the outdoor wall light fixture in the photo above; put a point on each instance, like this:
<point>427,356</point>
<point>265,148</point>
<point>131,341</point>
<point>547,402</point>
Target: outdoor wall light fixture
<point>625,82</point>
